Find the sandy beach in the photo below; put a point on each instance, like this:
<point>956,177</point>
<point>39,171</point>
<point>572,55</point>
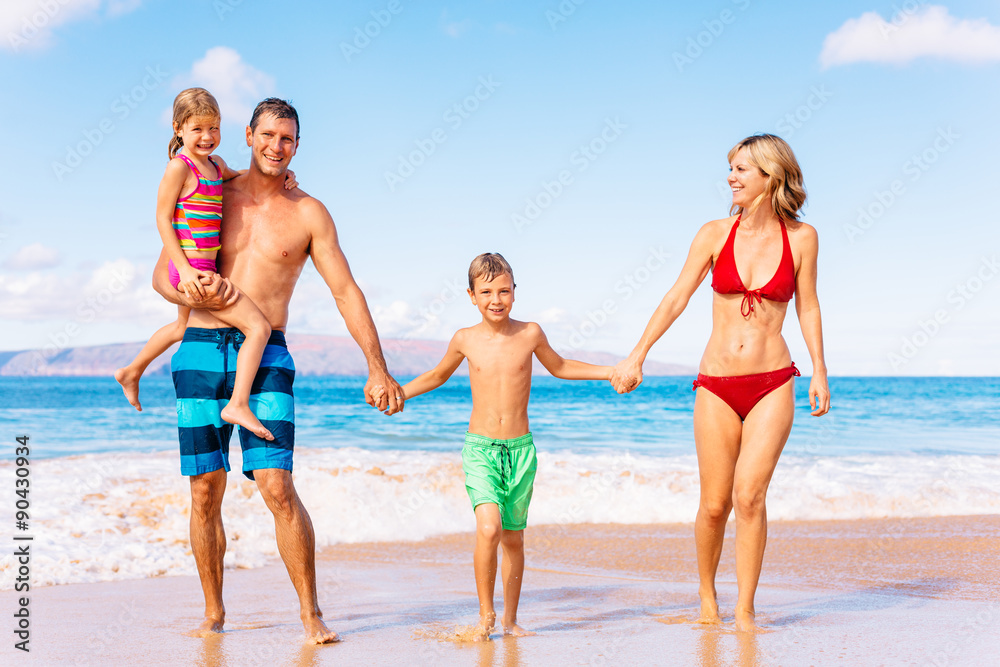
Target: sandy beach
<point>867,592</point>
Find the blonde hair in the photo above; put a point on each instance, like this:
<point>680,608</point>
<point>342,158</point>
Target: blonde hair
<point>488,266</point>
<point>775,159</point>
<point>191,103</point>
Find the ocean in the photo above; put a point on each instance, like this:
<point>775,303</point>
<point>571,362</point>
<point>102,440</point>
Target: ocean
<point>108,502</point>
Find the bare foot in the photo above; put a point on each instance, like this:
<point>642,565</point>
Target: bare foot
<point>481,632</point>
<point>746,621</point>
<point>244,416</point>
<point>130,385</point>
<point>317,632</point>
<point>709,611</point>
<point>515,630</point>
<point>209,627</point>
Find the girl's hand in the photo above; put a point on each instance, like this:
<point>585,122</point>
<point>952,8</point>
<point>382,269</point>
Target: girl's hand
<point>191,282</point>
<point>819,394</point>
<point>290,182</point>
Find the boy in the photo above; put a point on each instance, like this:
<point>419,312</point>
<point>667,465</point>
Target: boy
<point>499,455</point>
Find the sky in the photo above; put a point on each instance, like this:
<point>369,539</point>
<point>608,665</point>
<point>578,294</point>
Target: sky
<point>584,140</point>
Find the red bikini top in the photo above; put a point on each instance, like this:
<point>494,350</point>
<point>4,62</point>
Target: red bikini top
<point>726,278</point>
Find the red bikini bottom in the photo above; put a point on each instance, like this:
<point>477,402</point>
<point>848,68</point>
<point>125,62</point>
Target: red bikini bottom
<point>743,392</point>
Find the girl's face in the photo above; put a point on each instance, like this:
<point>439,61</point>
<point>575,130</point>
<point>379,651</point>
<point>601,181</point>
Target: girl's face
<point>200,135</point>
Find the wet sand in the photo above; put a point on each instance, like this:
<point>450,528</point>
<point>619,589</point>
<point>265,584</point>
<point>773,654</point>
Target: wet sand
<point>878,592</point>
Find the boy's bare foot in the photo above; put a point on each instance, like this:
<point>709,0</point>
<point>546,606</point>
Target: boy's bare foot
<point>515,630</point>
<point>244,416</point>
<point>709,610</point>
<point>317,632</point>
<point>130,385</point>
<point>746,621</point>
<point>210,626</point>
<point>481,632</point>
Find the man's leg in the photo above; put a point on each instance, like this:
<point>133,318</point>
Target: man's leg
<point>297,545</point>
<point>208,543</point>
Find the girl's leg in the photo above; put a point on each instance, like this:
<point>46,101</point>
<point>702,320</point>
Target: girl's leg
<point>245,316</point>
<point>765,432</point>
<point>158,343</point>
<point>717,430</point>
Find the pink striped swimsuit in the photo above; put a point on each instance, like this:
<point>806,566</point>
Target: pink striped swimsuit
<point>198,219</point>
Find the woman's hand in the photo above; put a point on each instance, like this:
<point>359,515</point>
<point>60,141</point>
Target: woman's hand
<point>627,375</point>
<point>819,394</point>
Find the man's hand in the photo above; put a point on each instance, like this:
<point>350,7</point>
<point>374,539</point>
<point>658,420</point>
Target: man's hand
<point>219,294</point>
<point>383,392</point>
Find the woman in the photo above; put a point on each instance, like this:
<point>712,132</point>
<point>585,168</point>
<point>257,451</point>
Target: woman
<point>745,393</point>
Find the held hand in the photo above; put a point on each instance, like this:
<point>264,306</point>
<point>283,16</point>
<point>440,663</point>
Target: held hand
<point>191,282</point>
<point>383,392</point>
<point>627,375</point>
<point>819,395</point>
<point>290,182</point>
<point>219,294</point>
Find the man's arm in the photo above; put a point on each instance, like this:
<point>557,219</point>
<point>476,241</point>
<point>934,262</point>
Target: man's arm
<point>566,369</point>
<point>219,293</point>
<point>324,248</point>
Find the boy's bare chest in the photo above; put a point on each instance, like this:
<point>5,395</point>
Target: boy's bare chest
<point>506,359</point>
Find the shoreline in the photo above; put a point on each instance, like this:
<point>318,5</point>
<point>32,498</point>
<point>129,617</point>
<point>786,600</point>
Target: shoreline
<point>865,591</point>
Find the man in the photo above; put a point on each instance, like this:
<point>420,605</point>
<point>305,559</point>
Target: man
<point>267,234</point>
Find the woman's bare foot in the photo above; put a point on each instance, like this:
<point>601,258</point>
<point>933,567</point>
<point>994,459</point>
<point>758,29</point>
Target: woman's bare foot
<point>210,626</point>
<point>244,416</point>
<point>746,620</point>
<point>709,610</point>
<point>481,632</point>
<point>317,632</point>
<point>129,381</point>
<point>515,630</point>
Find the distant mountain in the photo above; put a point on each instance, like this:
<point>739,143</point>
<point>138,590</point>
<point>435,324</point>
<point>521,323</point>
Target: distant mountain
<point>314,355</point>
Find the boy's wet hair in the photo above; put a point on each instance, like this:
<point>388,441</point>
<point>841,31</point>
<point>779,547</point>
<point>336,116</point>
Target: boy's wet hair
<point>488,266</point>
<point>278,108</point>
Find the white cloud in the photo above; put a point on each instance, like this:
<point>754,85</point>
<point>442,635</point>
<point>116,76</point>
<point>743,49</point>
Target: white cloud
<point>454,28</point>
<point>925,32</point>
<point>28,24</point>
<point>237,85</point>
<point>33,257</point>
<point>117,290</point>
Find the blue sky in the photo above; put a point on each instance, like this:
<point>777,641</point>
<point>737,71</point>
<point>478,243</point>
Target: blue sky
<point>445,130</point>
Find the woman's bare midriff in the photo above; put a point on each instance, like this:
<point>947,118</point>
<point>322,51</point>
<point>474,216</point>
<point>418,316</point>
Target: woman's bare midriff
<point>745,345</point>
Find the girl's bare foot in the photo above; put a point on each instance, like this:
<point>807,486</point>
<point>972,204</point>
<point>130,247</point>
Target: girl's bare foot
<point>129,381</point>
<point>244,416</point>
<point>709,610</point>
<point>482,631</point>
<point>746,621</point>
<point>515,630</point>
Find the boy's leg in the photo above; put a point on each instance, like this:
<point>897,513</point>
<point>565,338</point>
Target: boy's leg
<point>245,316</point>
<point>513,574</point>
<point>158,343</point>
<point>488,532</point>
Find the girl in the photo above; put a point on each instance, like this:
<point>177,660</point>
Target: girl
<point>188,217</point>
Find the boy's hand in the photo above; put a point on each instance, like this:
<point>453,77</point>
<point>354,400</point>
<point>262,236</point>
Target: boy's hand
<point>389,394</point>
<point>626,376</point>
<point>290,182</point>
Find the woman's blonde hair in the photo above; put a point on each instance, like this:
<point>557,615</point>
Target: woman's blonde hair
<point>775,159</point>
<point>191,103</point>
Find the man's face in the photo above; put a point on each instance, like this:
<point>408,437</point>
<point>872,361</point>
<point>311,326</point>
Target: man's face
<point>273,144</point>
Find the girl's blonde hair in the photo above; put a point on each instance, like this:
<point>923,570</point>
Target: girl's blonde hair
<point>774,157</point>
<point>191,103</point>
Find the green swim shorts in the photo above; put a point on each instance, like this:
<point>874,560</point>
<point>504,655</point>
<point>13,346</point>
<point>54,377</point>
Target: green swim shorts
<point>500,472</point>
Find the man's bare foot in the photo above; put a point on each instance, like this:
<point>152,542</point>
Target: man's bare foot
<point>515,630</point>
<point>709,611</point>
<point>210,626</point>
<point>746,621</point>
<point>317,632</point>
<point>244,416</point>
<point>130,385</point>
<point>481,632</point>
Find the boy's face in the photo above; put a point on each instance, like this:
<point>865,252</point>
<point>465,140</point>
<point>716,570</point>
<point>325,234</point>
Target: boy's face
<point>494,298</point>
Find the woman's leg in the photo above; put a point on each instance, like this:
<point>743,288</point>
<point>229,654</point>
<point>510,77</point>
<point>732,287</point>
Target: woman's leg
<point>717,432</point>
<point>765,432</point>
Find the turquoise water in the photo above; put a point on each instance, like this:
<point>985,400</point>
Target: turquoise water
<point>926,416</point>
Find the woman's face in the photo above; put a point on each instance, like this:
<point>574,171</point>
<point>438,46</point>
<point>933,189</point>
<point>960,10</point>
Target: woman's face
<point>746,181</point>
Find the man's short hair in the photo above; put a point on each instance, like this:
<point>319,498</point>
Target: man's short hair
<point>272,106</point>
<point>488,266</point>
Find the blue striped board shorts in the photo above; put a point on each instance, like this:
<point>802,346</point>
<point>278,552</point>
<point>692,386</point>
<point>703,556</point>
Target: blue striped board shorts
<point>204,369</point>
